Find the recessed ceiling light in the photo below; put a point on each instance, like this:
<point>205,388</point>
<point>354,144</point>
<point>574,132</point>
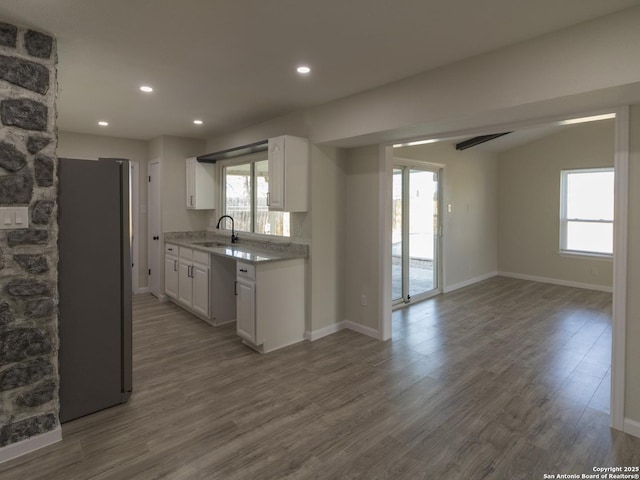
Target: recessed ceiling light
<point>102,123</point>
<point>198,122</point>
<point>303,69</point>
<point>146,88</point>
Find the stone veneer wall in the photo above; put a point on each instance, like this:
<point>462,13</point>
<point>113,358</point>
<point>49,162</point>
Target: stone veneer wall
<point>28,257</point>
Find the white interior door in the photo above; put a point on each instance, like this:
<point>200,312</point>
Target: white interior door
<point>154,232</point>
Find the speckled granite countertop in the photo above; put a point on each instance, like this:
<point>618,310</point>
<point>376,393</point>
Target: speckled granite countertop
<point>247,250</point>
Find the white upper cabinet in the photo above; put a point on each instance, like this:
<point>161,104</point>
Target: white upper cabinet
<point>200,185</point>
<point>288,174</point>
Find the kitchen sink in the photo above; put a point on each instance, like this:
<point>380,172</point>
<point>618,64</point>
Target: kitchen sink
<point>211,244</point>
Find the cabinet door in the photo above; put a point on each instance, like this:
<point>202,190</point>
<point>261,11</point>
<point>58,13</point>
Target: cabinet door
<point>171,276</point>
<point>276,173</point>
<point>185,283</point>
<point>201,289</point>
<point>246,310</point>
<point>191,182</point>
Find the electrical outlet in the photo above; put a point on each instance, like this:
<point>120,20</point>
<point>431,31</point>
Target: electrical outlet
<point>363,300</point>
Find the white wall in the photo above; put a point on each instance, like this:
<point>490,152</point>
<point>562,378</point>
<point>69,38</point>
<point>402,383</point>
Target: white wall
<point>529,204</point>
<point>92,147</point>
<point>362,236</point>
<point>175,215</point>
<point>326,292</point>
<point>470,186</point>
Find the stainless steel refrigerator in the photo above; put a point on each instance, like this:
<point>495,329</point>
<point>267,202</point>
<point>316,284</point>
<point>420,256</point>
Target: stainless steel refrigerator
<point>94,285</point>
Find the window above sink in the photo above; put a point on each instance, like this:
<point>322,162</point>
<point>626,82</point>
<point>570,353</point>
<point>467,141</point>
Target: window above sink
<point>246,188</point>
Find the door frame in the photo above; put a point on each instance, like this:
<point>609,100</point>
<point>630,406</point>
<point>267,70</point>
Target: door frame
<point>134,170</point>
<point>438,169</point>
<point>621,167</point>
<point>151,262</point>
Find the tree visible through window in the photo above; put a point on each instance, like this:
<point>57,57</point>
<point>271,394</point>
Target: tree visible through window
<point>245,189</point>
<point>586,216</point>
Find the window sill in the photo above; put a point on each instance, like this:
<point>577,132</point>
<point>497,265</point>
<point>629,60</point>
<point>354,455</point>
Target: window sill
<point>586,255</point>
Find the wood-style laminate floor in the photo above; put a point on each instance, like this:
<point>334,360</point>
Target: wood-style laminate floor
<point>506,379</point>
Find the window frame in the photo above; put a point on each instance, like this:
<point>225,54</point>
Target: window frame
<point>564,221</point>
<point>250,159</point>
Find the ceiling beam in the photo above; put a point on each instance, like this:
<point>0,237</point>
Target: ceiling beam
<point>472,142</point>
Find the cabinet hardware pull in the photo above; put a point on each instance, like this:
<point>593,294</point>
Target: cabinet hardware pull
<point>189,271</point>
<point>244,270</point>
<point>170,249</point>
<point>268,199</point>
<point>191,201</point>
<point>175,265</point>
<point>235,288</point>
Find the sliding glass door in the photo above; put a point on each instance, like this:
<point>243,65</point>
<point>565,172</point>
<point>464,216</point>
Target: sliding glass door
<point>415,233</point>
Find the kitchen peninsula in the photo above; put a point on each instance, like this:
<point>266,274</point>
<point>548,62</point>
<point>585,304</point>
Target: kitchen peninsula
<point>260,284</point>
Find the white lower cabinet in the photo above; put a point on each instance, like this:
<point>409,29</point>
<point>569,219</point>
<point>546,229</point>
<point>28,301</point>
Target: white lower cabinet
<point>185,284</point>
<point>201,283</point>
<point>246,310</point>
<point>270,303</point>
<point>171,271</point>
<point>200,299</point>
<point>193,280</point>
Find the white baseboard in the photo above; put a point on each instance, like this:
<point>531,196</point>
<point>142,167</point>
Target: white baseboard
<point>356,327</point>
<point>555,281</point>
<point>29,445</point>
<point>336,327</point>
<point>163,298</point>
<point>632,427</point>
<point>323,332</point>
<point>226,322</point>
<point>141,290</point>
<point>471,281</point>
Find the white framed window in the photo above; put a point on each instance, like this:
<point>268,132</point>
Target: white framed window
<point>245,187</point>
<point>586,211</point>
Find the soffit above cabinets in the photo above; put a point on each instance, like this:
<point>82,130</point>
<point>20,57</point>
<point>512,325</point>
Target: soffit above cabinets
<point>234,152</point>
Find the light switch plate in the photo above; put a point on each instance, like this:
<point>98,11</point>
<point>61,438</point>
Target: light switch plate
<point>13,218</point>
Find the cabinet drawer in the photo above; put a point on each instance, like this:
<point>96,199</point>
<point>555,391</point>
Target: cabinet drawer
<point>201,257</point>
<point>171,249</point>
<point>246,271</point>
<point>186,253</point>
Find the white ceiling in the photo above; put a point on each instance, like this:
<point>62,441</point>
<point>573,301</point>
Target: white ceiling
<point>232,62</point>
